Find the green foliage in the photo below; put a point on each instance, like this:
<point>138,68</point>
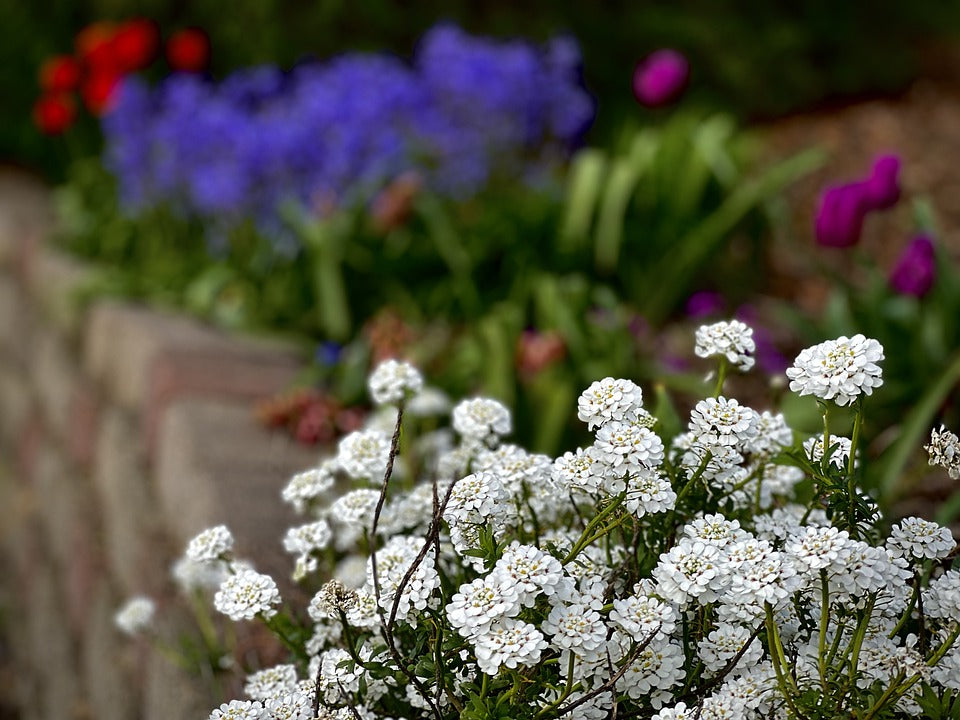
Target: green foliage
<point>478,281</point>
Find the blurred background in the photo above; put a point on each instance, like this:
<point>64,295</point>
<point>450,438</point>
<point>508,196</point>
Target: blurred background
<point>521,198</point>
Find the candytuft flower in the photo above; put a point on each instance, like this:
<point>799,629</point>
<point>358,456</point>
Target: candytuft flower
<point>944,451</point>
<point>840,370</point>
<point>732,340</point>
<point>393,381</point>
<point>212,544</point>
<point>247,594</point>
<point>136,616</point>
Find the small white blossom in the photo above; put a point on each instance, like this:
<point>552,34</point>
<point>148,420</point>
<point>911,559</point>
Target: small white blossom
<point>528,569</point>
<point>813,447</point>
<point>680,711</point>
<point>642,615</point>
<point>136,615</point>
<point>840,370</point>
<point>212,544</point>
<point>481,603</point>
<point>363,454</point>
<point>393,381</point>
<point>308,538</point>
<point>247,594</point>
<point>191,575</point>
<point>356,508</point>
<point>723,644</point>
<point>481,420</point>
<point>582,470</point>
<point>921,539</point>
<point>307,486</point>
<point>577,628</point>
<point>944,451</point>
<point>722,421</point>
<point>510,643</point>
<point>732,340</point>
<point>649,492</point>
<point>239,710</point>
<point>629,447</point>
<point>610,400</point>
<point>276,680</point>
<point>429,402</point>
<point>773,435</point>
<point>819,548</point>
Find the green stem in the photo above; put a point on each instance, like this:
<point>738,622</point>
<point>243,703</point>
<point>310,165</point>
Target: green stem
<point>824,623</point>
<point>721,377</point>
<point>851,463</point>
<point>588,536</point>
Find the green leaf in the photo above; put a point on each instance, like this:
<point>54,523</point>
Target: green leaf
<point>583,189</point>
<point>916,426</point>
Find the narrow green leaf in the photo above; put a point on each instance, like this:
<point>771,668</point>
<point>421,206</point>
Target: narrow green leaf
<point>583,188</point>
<point>916,426</point>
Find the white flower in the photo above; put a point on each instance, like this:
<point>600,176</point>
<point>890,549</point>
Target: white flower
<point>305,487</point>
<point>642,615</point>
<point>715,530</point>
<point>481,420</point>
<point>247,594</point>
<point>921,539</point>
<point>658,667</point>
<point>296,705</point>
<point>475,498</point>
<point>356,507</point>
<point>722,421</point>
<point>429,402</point>
<point>512,643</point>
<point>690,570</point>
<point>394,560</point>
<point>239,710</point>
<point>191,575</point>
<point>680,711</point>
<point>305,539</point>
<point>773,435</point>
<point>732,340</point>
<point>276,680</point>
<point>610,400</point>
<point>363,454</point>
<point>528,569</point>
<point>393,381</point>
<point>942,597</point>
<point>136,615</point>
<point>481,603</point>
<point>212,544</point>
<point>944,451</point>
<point>649,492</point>
<point>813,447</point>
<point>582,470</point>
<point>629,447</point>
<point>723,644</point>
<point>839,370</point>
<point>330,600</point>
<point>576,627</point>
<point>819,548</point>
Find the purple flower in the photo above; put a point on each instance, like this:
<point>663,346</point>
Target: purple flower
<point>660,78</point>
<point>839,219</point>
<point>843,208</point>
<point>882,187</point>
<point>704,304</point>
<point>915,269</point>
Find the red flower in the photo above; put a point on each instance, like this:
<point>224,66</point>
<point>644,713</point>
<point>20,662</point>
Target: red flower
<point>188,50</point>
<point>54,113</point>
<point>95,47</point>
<point>135,44</point>
<point>98,90</point>
<point>60,74</point>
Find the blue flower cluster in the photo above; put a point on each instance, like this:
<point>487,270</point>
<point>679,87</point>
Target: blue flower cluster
<point>466,111</point>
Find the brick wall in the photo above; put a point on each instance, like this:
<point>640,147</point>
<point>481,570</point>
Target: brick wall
<point>123,432</point>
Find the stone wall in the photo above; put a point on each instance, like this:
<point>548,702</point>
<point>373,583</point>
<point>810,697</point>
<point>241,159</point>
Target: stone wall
<point>123,432</point>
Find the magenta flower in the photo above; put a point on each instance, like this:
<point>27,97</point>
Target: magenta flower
<point>660,78</point>
<point>883,187</point>
<point>915,269</point>
<point>839,219</point>
<point>705,303</point>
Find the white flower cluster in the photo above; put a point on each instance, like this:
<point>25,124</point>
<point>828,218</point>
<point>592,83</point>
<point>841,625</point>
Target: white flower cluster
<point>840,370</point>
<point>679,577</point>
<point>732,340</point>
<point>944,451</point>
<point>136,616</point>
<point>392,382</point>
